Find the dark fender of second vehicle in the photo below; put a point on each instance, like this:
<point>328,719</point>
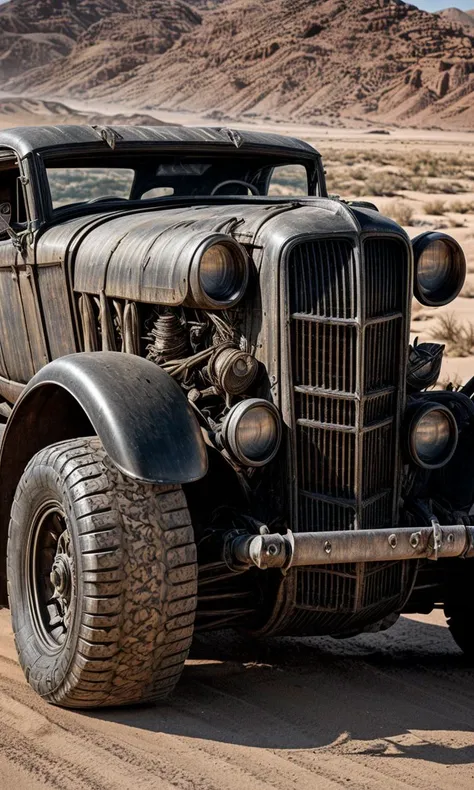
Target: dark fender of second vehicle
<point>136,409</point>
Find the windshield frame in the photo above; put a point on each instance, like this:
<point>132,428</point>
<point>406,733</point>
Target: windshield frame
<point>62,156</point>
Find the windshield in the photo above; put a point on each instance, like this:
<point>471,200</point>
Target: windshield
<point>88,180</point>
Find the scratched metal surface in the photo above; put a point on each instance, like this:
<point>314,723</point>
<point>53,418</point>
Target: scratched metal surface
<point>25,140</point>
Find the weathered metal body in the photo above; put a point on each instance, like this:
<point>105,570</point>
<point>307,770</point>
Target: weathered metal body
<point>326,315</point>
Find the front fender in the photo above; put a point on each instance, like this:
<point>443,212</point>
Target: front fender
<point>136,409</point>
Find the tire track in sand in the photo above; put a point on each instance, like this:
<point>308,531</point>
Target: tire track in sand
<point>393,710</point>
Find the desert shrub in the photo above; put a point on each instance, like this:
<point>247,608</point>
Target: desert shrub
<point>447,187</point>
<point>459,338</point>
<point>455,223</point>
<point>461,207</point>
<point>359,173</point>
<point>357,189</point>
<point>400,211</point>
<point>384,185</point>
<point>453,382</point>
<point>468,291</point>
<point>435,207</point>
<point>418,184</point>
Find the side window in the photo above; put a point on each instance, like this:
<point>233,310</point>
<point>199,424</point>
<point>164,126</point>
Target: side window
<point>157,192</point>
<point>288,180</point>
<point>12,204</point>
<point>81,184</point>
<point>5,217</point>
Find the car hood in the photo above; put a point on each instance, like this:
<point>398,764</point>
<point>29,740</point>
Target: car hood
<point>145,255</point>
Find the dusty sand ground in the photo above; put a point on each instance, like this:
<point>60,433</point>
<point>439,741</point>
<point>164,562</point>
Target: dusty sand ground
<point>392,711</point>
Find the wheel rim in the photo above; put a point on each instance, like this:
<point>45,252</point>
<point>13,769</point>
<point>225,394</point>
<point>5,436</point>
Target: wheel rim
<point>50,576</point>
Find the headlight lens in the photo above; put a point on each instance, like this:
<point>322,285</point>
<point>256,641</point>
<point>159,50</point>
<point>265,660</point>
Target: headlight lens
<point>440,268</point>
<point>219,276</point>
<point>257,433</point>
<point>433,436</point>
<point>218,273</point>
<point>251,432</point>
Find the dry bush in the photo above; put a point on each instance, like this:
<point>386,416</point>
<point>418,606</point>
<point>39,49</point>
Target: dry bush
<point>400,211</point>
<point>468,291</point>
<point>384,185</point>
<point>356,189</point>
<point>461,207</point>
<point>435,207</point>
<point>418,184</point>
<point>453,382</point>
<point>358,173</point>
<point>459,338</point>
<point>386,173</point>
<point>456,223</point>
<point>448,187</point>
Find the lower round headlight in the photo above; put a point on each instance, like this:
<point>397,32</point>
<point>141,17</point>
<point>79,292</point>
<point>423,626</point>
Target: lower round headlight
<point>440,268</point>
<point>251,432</point>
<point>432,435</point>
<point>219,273</point>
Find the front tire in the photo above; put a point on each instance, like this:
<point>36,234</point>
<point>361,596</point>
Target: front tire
<point>102,579</point>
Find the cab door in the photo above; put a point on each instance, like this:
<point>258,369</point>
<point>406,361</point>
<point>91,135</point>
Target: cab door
<point>22,342</point>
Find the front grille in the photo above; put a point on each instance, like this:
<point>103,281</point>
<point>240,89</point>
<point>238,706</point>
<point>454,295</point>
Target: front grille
<point>319,361</point>
<point>348,307</point>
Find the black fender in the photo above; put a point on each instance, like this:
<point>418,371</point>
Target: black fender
<point>138,411</point>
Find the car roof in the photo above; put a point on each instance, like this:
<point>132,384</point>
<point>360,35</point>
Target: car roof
<point>28,139</point>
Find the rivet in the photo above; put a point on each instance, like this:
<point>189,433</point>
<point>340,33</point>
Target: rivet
<point>272,550</point>
<point>327,547</point>
<point>415,540</point>
<point>393,540</point>
<point>450,538</point>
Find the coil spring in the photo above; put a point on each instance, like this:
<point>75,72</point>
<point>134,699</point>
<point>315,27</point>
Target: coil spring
<point>169,339</point>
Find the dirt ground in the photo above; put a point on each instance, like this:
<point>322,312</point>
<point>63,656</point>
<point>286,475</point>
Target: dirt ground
<point>392,711</point>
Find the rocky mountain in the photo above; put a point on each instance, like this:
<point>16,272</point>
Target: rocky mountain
<point>15,110</point>
<point>458,17</point>
<point>311,60</point>
<point>89,42</point>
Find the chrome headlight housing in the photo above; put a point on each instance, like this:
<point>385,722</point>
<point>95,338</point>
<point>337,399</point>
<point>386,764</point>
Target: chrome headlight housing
<point>440,268</point>
<point>431,435</point>
<point>251,432</point>
<point>219,273</point>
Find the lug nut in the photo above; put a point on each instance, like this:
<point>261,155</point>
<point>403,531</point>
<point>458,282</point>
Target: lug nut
<point>55,578</point>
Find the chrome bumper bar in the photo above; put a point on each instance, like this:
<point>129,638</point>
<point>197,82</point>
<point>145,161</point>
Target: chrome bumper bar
<point>371,545</point>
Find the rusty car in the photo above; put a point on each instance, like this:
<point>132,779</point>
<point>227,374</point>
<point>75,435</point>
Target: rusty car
<point>212,416</point>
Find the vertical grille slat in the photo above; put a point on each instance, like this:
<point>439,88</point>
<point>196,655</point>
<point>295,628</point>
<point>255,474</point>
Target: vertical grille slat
<point>347,341</point>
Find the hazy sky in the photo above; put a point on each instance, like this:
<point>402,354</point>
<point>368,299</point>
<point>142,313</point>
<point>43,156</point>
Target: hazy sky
<point>438,5</point>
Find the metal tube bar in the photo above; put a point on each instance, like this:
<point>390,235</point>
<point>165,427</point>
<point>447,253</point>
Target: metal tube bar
<point>371,545</point>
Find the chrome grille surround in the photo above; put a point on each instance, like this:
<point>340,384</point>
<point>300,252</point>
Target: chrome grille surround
<point>348,308</point>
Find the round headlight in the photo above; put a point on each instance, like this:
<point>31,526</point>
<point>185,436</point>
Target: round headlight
<point>440,268</point>
<point>251,432</point>
<point>219,274</point>
<point>432,435</point>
